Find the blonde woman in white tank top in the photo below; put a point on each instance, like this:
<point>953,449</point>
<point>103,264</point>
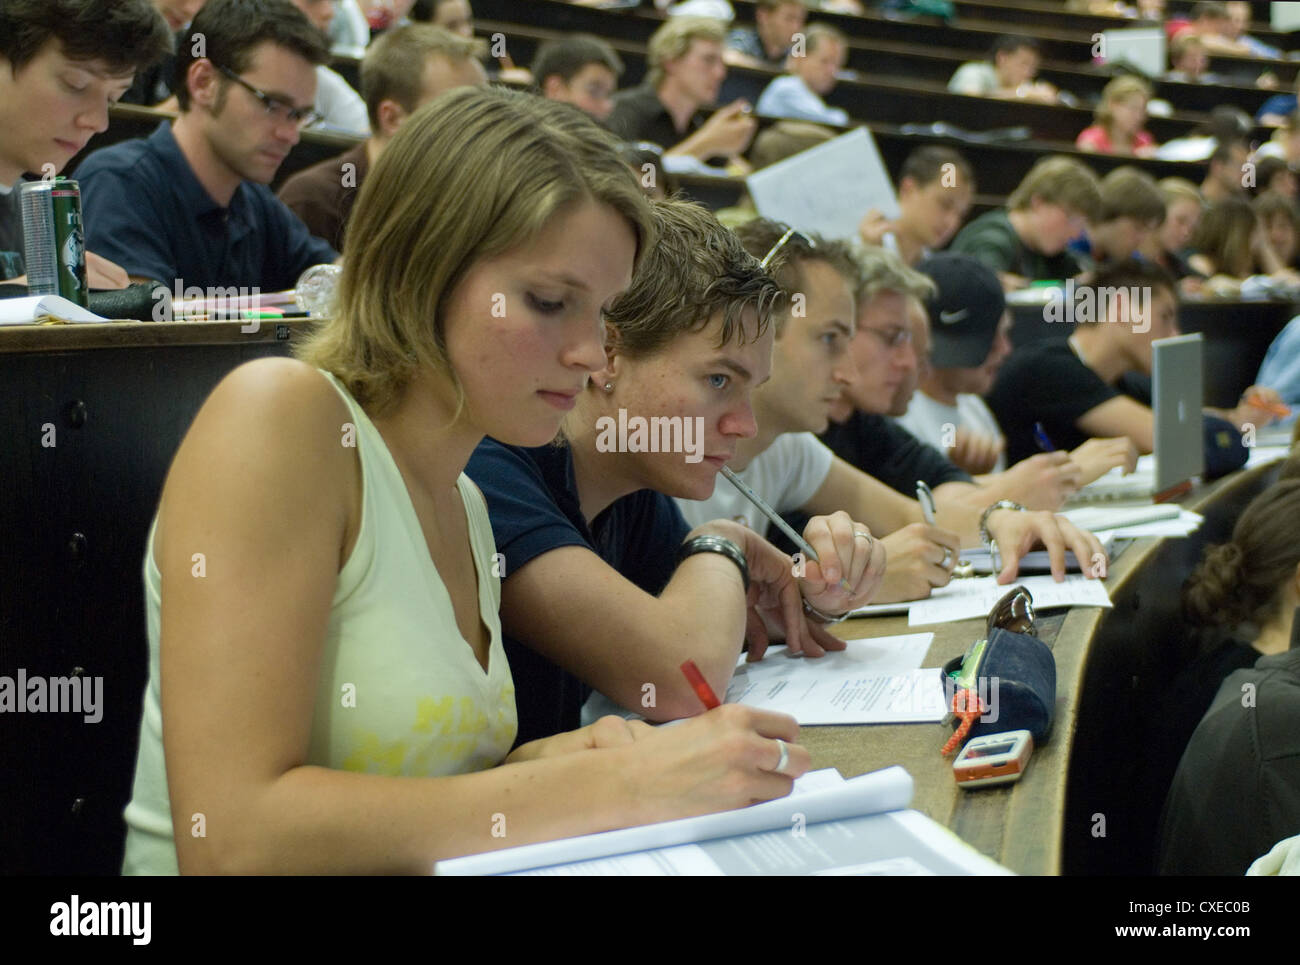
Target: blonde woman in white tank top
<point>327,688</point>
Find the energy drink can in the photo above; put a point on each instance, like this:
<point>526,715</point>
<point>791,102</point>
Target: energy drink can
<point>53,239</point>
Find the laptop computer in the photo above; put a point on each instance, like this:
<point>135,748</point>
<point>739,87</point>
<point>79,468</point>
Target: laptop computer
<point>1179,432</point>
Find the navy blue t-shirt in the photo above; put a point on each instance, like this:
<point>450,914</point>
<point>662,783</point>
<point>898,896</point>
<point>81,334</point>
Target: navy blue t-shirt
<point>144,209</point>
<point>532,498</point>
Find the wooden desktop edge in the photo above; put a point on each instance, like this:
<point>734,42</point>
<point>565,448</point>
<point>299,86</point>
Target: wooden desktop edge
<point>1022,825</point>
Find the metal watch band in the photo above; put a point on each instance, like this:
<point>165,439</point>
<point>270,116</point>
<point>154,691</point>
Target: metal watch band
<point>717,544</point>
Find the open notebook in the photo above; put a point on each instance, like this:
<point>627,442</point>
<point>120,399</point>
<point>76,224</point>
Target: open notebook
<point>826,826</point>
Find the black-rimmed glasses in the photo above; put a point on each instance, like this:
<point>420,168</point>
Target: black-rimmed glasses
<point>298,116</point>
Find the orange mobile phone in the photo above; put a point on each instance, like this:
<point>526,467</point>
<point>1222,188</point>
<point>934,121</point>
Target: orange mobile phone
<point>993,759</point>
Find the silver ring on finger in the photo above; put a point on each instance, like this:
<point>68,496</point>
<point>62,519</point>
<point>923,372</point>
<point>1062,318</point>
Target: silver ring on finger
<point>947,561</point>
<point>862,534</point>
<point>785,757</point>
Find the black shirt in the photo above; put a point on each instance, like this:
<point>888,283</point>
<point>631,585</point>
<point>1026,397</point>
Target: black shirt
<point>885,450</point>
<point>532,498</point>
<point>639,115</point>
<point>1045,382</point>
<point>1237,790</point>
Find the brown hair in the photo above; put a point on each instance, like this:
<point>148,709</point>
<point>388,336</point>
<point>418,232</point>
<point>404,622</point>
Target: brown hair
<point>1129,192</point>
<point>761,235</point>
<point>473,174</point>
<point>1119,89</point>
<point>393,68</point>
<point>1224,237</point>
<point>1059,180</point>
<point>1239,581</point>
<point>696,271</point>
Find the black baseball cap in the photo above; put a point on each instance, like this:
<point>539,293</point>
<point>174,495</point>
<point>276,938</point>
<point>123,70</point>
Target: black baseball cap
<point>965,310</point>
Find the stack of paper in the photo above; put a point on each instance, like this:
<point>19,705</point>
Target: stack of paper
<point>827,826</point>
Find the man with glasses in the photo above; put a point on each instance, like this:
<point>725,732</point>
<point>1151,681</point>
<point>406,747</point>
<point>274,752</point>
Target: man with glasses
<point>189,206</point>
<point>814,361</point>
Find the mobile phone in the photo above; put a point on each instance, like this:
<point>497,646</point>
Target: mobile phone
<point>993,759</point>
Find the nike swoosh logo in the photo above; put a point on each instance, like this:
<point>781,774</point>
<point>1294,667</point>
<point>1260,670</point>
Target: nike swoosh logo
<point>951,318</point>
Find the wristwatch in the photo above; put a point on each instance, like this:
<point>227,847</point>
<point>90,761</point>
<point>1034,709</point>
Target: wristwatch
<point>823,618</point>
<point>985,538</point>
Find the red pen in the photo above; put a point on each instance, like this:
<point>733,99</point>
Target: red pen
<point>700,685</point>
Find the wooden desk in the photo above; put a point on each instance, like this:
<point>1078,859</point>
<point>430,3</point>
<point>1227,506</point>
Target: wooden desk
<point>118,399</point>
<point>1108,664</point>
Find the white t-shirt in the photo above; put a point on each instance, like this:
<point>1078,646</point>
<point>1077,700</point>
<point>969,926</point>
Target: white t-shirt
<point>341,107</point>
<point>977,78</point>
<point>927,418</point>
<point>785,475</point>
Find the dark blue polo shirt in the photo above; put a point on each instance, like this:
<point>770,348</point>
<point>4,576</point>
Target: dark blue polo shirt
<point>144,209</point>
<point>532,498</point>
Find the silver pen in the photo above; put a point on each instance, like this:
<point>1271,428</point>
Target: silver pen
<point>780,523</point>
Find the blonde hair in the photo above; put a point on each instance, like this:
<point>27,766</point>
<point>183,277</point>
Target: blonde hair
<point>1059,180</point>
<point>816,34</point>
<point>673,40</point>
<point>475,173</point>
<point>880,270</point>
<point>1179,189</point>
<point>1119,89</point>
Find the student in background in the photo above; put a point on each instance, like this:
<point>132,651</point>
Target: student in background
<point>794,472</point>
<point>935,189</point>
<point>369,564</point>
<point>1234,30</point>
<point>1227,172</point>
<point>592,522</point>
<point>581,70</point>
<point>685,73</point>
<point>774,143</point>
<point>1169,245</point>
<point>1009,72</point>
<point>1026,241</point>
<point>1043,481</point>
<point>1132,211</point>
<point>454,16</point>
<point>61,65</point>
<point>339,106</point>
<point>1231,245</point>
<point>767,43</point>
<point>1069,385</point>
<point>190,204</point>
<point>970,331</point>
<point>404,69</point>
<point>1189,60</point>
<point>812,75</point>
<point>1120,121</point>
<point>1274,176</point>
<point>1285,142</point>
<point>1237,788</point>
<point>1278,217</point>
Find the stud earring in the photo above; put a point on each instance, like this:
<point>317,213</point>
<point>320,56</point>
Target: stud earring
<point>609,386</point>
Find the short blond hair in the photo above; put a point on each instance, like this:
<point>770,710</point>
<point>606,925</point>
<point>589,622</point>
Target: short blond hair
<point>393,67</point>
<point>673,40</point>
<point>1119,89</point>
<point>473,174</point>
<point>1059,180</point>
<point>880,271</point>
<point>1179,189</point>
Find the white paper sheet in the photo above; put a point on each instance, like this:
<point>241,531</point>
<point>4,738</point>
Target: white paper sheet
<point>827,188</point>
<point>872,682</point>
<point>964,599</point>
<point>25,310</point>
